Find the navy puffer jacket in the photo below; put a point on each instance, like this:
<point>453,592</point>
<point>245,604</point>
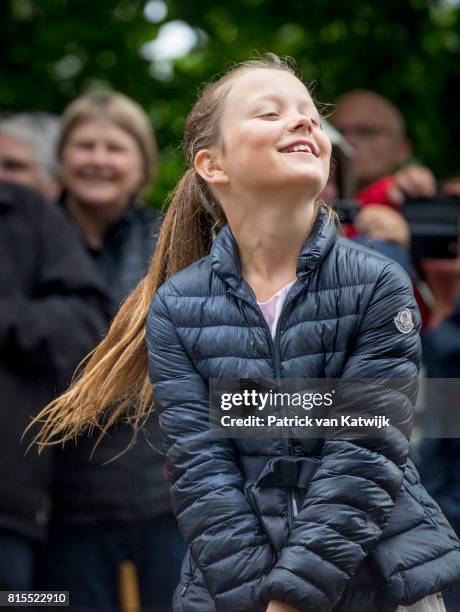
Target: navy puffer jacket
<point>367,536</point>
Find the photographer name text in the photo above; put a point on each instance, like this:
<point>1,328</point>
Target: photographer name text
<point>377,422</point>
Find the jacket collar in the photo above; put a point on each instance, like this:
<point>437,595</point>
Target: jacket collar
<point>7,195</point>
<point>128,217</point>
<point>225,258</point>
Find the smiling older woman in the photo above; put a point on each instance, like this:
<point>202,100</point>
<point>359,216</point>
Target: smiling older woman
<point>105,512</point>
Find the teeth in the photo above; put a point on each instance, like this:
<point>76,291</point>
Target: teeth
<point>299,147</point>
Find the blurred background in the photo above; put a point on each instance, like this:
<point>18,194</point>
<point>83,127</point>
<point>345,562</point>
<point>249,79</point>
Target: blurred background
<point>103,527</point>
<point>160,52</point>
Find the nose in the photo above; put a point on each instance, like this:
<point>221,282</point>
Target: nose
<point>301,122</point>
<point>99,155</point>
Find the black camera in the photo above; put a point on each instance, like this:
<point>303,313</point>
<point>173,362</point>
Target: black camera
<point>434,224</point>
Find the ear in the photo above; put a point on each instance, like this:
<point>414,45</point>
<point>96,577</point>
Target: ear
<point>208,166</point>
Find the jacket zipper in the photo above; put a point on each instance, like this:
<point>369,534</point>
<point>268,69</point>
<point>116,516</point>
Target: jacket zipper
<point>292,503</point>
<point>274,345</point>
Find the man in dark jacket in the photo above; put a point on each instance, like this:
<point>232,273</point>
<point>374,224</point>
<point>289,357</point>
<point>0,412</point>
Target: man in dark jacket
<point>51,312</point>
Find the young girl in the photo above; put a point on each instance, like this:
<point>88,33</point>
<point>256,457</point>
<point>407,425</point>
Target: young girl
<point>276,294</point>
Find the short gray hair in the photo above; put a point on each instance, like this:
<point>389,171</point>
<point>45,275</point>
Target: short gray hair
<point>39,131</point>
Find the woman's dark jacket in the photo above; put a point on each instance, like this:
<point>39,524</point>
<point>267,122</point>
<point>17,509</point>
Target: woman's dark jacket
<point>112,485</point>
<point>367,535</point>
<point>52,309</point>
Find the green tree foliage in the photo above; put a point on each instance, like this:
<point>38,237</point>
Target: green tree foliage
<point>52,50</point>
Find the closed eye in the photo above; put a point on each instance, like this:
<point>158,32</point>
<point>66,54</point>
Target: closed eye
<point>317,123</point>
<point>85,145</point>
<point>115,148</point>
<point>271,115</point>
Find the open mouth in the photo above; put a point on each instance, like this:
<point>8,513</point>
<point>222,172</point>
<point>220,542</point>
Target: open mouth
<point>307,148</point>
<point>96,180</point>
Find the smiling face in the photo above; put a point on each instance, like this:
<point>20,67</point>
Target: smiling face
<point>271,136</point>
<point>101,165</point>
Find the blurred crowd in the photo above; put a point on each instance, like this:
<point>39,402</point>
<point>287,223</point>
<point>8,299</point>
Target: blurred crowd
<point>78,238</point>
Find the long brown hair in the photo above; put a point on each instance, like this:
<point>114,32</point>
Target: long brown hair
<point>115,375</point>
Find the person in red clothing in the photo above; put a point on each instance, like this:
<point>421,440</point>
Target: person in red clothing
<point>385,177</point>
<point>376,130</point>
<point>383,174</point>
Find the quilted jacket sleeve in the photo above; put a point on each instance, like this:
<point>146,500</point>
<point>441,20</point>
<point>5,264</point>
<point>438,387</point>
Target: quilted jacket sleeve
<point>224,536</point>
<point>356,484</point>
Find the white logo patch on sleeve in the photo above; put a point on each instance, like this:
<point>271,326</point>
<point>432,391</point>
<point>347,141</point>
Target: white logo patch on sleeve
<point>403,321</point>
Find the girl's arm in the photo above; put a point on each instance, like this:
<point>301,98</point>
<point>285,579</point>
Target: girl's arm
<point>224,536</point>
<point>350,497</point>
